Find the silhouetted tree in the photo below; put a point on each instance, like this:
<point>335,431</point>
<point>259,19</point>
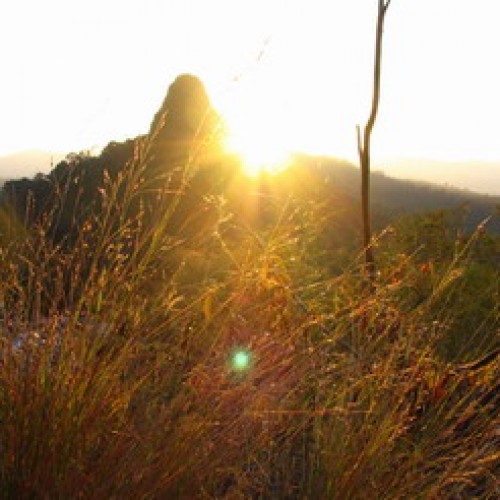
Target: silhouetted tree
<point>364,144</point>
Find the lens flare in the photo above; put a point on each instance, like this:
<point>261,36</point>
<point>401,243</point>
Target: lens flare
<point>240,360</point>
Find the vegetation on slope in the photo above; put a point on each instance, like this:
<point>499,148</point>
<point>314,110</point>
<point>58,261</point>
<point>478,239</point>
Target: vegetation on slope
<point>125,301</point>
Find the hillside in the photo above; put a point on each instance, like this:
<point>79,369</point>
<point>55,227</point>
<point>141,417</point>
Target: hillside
<point>398,196</point>
<point>390,195</point>
<point>187,125</point>
<point>173,328</point>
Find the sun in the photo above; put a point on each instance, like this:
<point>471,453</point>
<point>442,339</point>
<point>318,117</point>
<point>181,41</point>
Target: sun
<point>263,144</point>
<point>259,156</point>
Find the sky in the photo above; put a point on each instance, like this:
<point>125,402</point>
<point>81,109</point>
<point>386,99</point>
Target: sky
<point>286,75</point>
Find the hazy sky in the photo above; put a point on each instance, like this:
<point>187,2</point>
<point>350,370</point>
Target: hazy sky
<point>285,74</point>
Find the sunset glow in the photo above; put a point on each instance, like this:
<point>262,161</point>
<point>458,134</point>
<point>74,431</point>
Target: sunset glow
<point>259,152</point>
<point>288,76</point>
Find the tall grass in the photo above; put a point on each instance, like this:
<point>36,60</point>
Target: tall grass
<point>116,378</point>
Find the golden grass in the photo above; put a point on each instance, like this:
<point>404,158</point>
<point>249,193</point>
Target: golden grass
<point>116,382</point>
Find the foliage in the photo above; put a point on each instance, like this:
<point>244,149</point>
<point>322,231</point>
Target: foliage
<point>116,342</point>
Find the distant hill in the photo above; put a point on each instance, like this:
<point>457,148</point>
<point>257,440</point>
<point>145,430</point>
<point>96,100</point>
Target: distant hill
<point>186,122</point>
<point>478,176</point>
<point>398,196</point>
<point>28,164</point>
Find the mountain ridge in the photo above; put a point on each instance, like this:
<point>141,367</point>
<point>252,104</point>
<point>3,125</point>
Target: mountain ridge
<point>187,122</point>
<point>480,176</point>
<point>27,163</point>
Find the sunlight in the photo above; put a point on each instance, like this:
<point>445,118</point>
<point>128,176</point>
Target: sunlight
<point>264,147</point>
<point>260,157</point>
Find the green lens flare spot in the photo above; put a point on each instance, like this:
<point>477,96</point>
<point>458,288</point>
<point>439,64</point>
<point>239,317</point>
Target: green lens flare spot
<point>240,360</point>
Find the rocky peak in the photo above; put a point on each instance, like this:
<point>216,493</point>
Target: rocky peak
<point>186,111</point>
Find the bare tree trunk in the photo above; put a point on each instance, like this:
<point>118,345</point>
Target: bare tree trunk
<point>364,146</point>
